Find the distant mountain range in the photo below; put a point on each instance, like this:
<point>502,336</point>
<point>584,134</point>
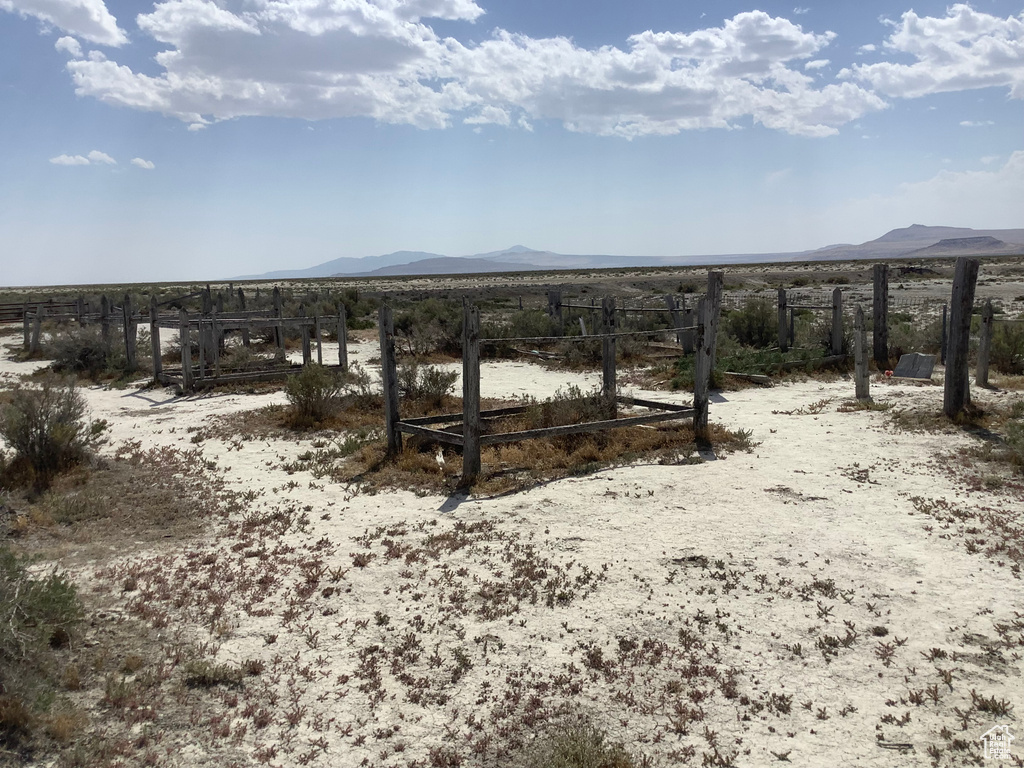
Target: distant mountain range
<point>916,241</point>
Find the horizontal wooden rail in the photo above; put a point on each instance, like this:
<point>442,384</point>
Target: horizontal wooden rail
<point>591,337</point>
<point>590,426</point>
<point>452,438</point>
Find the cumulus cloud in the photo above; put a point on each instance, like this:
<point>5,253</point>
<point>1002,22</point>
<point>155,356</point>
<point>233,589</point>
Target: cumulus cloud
<point>88,19</point>
<point>70,46</point>
<point>148,165</point>
<point>816,64</point>
<point>378,59</point>
<point>95,157</point>
<point>964,50</point>
<point>976,123</point>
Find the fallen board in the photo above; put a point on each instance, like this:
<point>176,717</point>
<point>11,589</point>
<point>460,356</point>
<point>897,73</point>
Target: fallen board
<point>915,366</point>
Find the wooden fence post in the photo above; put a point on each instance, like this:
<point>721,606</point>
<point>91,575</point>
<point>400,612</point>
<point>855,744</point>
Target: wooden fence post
<point>201,369</point>
<point>708,310</point>
<point>783,322</point>
<point>304,328</point>
<point>342,338</point>
<point>837,321</point>
<point>880,316</point>
<point>470,393</point>
<point>278,329</point>
<point>37,329</point>
<point>80,311</point>
<point>673,311</point>
<point>555,310</point>
<point>319,340</point>
<point>389,378</point>
<point>984,345</point>
<point>862,383</point>
<point>246,338</point>
<point>26,321</point>
<point>608,389</point>
<point>218,328</point>
<point>945,333</point>
<point>105,322</point>
<point>154,338</point>
<point>131,335</point>
<point>687,336</point>
<point>185,338</point>
<point>956,393</point>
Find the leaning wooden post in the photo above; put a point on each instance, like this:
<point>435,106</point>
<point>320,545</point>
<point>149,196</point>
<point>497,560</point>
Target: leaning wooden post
<point>470,393</point>
<point>608,390</point>
<point>783,323</point>
<point>278,329</point>
<point>154,338</point>
<point>185,339</point>
<point>131,335</point>
<point>342,338</point>
<point>880,316</point>
<point>956,392</point>
<point>984,345</point>
<point>304,327</point>
<point>105,322</point>
<point>837,321</point>
<point>389,378</point>
<point>862,383</point>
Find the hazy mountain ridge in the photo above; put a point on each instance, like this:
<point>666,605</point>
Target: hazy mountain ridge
<point>908,242</point>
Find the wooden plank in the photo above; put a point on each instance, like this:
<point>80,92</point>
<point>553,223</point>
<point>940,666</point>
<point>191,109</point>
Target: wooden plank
<point>184,336</point>
<point>37,329</point>
<point>756,378</point>
<point>880,315</point>
<point>154,338</point>
<point>342,338</point>
<point>278,328</point>
<point>445,418</point>
<point>470,393</point>
<point>626,400</point>
<point>389,377</point>
<point>608,389</point>
<point>984,345</point>
<point>105,321</point>
<point>837,321</point>
<point>451,438</point>
<point>789,365</point>
<point>131,335</point>
<point>862,384</point>
<point>783,321</point>
<point>590,426</point>
<point>956,392</point>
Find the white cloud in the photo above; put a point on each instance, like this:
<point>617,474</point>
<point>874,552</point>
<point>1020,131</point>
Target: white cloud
<point>70,46</point>
<point>798,11</point>
<point>149,165</point>
<point>377,59</point>
<point>816,64</point>
<point>95,157</point>
<point>69,160</point>
<point>964,50</point>
<point>88,19</point>
<point>976,123</point>
<point>867,48</point>
<point>989,159</point>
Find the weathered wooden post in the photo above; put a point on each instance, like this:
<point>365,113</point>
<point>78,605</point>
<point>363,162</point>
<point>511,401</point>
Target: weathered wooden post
<point>185,338</point>
<point>956,393</point>
<point>131,333</point>
<point>216,334</point>
<point>555,310</point>
<point>708,310</point>
<point>945,333</point>
<point>203,348</point>
<point>26,320</point>
<point>984,344</point>
<point>218,327</point>
<point>37,329</point>
<point>246,337</point>
<point>470,394</point>
<point>105,322</point>
<point>304,329</point>
<point>319,340</point>
<point>154,338</point>
<point>673,311</point>
<point>862,383</point>
<point>783,321</point>
<point>389,379</point>
<point>608,389</point>
<point>837,321</point>
<point>688,336</point>
<point>342,338</point>
<point>80,311</point>
<point>880,316</point>
<point>278,329</point>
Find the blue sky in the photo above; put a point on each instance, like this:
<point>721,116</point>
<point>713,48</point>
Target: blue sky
<point>192,139</point>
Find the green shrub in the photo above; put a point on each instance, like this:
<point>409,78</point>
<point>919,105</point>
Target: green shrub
<point>37,615</point>
<point>46,428</point>
<point>1007,352</point>
<point>314,394</point>
<point>578,746</point>
<point>756,324</point>
<point>431,325</point>
<point>425,383</point>
<point>80,351</point>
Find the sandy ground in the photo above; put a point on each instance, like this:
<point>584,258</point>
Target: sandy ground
<point>804,603</point>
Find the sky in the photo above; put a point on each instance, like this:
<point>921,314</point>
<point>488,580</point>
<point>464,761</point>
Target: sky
<point>202,139</point>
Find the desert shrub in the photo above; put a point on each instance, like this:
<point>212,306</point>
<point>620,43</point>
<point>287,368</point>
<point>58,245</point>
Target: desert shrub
<point>431,325</point>
<point>1007,351</point>
<point>578,746</point>
<point>37,615</point>
<point>80,351</point>
<point>913,335</point>
<point>755,324</point>
<point>425,382</point>
<point>568,406</point>
<point>47,430</point>
<point>314,395</point>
